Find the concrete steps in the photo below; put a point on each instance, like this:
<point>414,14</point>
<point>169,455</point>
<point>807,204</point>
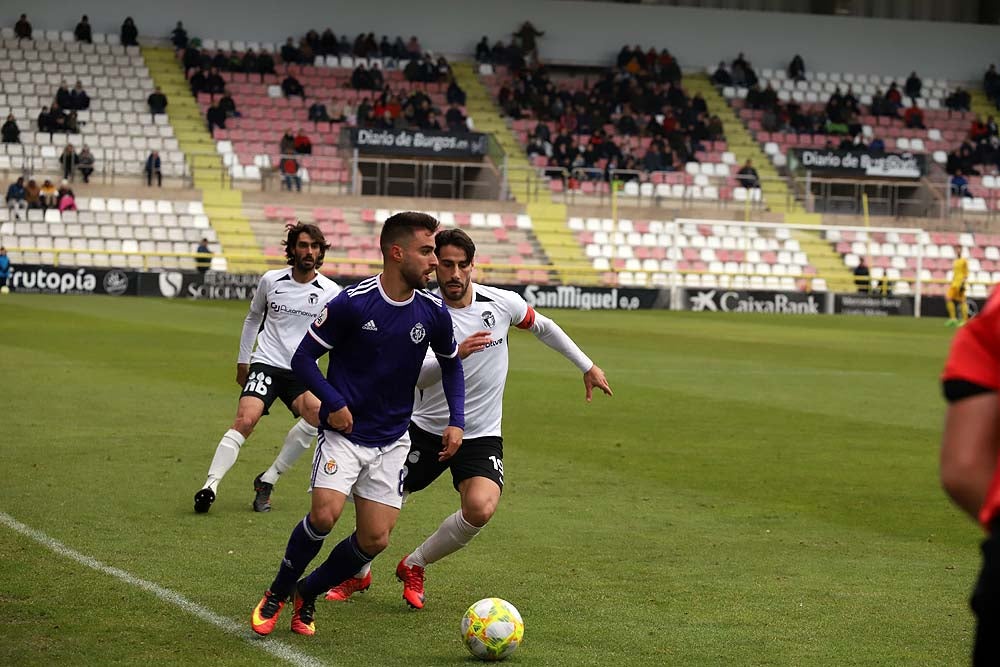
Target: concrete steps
<point>223,205</point>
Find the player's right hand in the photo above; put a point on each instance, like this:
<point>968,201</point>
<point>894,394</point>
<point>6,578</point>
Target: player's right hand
<point>342,420</point>
<point>477,342</point>
<point>242,373</point>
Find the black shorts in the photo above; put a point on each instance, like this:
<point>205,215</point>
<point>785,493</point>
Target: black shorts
<point>270,382</point>
<point>985,603</point>
<point>477,457</point>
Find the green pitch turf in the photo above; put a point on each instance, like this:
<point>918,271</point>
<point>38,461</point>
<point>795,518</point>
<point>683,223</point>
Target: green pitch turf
<point>760,491</point>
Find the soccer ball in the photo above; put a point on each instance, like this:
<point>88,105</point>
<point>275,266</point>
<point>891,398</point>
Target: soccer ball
<point>492,629</point>
<point>4,290</point>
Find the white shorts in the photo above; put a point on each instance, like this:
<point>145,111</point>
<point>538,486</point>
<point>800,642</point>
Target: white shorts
<point>372,473</point>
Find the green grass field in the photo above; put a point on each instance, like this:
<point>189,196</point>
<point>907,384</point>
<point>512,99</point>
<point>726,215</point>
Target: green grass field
<point>759,491</point>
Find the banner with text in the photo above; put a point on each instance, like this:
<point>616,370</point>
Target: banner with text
<point>754,301</point>
<point>855,164</point>
<point>419,143</point>
<point>40,279</point>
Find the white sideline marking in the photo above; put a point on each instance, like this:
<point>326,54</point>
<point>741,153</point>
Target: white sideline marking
<point>229,626</point>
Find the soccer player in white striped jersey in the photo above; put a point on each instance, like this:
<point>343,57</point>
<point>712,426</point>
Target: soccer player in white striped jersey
<point>482,317</point>
<point>287,301</point>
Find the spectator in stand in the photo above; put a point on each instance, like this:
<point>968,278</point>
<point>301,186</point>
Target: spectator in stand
<point>291,87</point>
<point>318,113</point>
<point>71,125</point>
<point>960,185</point>
<point>360,78</point>
<point>216,118</point>
<point>179,37</point>
<point>78,98</point>
<point>302,144</point>
<point>45,120</point>
<point>365,113</point>
<point>129,33</point>
<point>250,63</point>
<point>527,39</point>
<point>912,87</point>
<point>22,29</point>
<point>893,100</point>
<point>157,102</point>
<point>978,130</point>
<point>721,76</point>
<point>48,195</point>
<point>289,168</point>
<point>265,64</point>
<point>991,84</point>
<point>797,69</point>
<point>413,49</point>
<point>221,61</point>
<point>85,163</point>
<point>154,168</point>
<point>82,32</point>
<point>716,131</point>
<point>62,96</point>
<point>65,199</point>
<point>287,144</point>
<point>10,133</point>
<point>198,82</point>
<point>876,146</point>
<point>959,100</point>
<point>214,83</point>
<point>455,119</point>
<point>653,160</point>
<point>432,122</point>
<point>483,52</point>
<point>914,117</point>
<point>747,176</point>
<point>228,105</point>
<point>203,263</point>
<point>69,161</point>
<point>862,277</point>
<point>16,194</point>
<point>455,94</point>
<point>32,194</point>
<point>290,53</point>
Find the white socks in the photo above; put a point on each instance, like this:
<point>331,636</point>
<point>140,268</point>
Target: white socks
<point>453,534</point>
<point>225,456</point>
<point>297,441</point>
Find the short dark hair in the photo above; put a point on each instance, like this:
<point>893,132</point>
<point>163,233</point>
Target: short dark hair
<point>402,226</point>
<point>457,238</point>
<point>293,238</point>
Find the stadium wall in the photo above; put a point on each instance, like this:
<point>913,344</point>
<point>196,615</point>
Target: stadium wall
<point>582,32</point>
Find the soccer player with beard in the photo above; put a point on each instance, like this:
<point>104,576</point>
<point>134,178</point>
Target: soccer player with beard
<point>483,317</point>
<point>377,334</point>
<point>286,301</point>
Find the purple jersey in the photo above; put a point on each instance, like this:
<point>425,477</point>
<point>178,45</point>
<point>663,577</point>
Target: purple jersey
<point>376,347</point>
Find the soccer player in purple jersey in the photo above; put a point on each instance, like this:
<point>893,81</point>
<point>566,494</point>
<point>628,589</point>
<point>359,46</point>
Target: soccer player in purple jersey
<point>377,334</point>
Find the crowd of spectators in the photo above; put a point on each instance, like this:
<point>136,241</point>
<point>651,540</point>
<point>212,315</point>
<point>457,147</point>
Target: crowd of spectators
<point>22,196</point>
<point>640,96</point>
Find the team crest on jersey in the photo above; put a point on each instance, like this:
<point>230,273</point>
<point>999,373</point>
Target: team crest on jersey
<point>313,298</point>
<point>322,318</point>
<point>488,319</point>
<point>330,467</point>
<point>417,333</point>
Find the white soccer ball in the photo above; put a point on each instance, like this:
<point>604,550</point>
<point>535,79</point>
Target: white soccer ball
<point>4,290</point>
<point>492,629</point>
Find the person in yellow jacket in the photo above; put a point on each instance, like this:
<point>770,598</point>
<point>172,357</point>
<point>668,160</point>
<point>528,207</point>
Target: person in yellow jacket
<point>956,290</point>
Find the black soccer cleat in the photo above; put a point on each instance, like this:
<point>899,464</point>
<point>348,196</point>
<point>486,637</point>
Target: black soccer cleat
<point>203,500</point>
<point>262,499</point>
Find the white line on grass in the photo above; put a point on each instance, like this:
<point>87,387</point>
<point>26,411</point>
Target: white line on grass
<point>229,626</point>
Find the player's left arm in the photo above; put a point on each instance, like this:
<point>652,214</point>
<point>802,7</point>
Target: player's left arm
<point>452,380</point>
<point>550,333</point>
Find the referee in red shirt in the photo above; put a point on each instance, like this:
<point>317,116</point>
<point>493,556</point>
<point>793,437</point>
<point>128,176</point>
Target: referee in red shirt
<point>969,453</point>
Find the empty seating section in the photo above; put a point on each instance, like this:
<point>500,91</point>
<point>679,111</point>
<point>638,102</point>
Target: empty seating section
<point>108,232</point>
<point>695,253</point>
<point>945,129</point>
<point>117,127</point>
<point>251,141</point>
<point>504,240</point>
<point>892,257</point>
